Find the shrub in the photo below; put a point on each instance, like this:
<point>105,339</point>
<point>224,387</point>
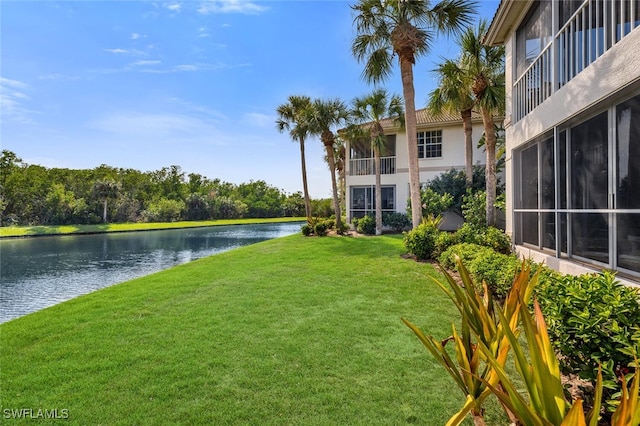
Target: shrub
<point>330,223</point>
<point>433,204</point>
<point>421,241</point>
<point>487,236</point>
<point>466,251</point>
<point>444,240</point>
<point>474,208</point>
<point>496,239</point>
<point>483,263</point>
<point>454,182</point>
<point>367,225</point>
<point>343,228</point>
<point>397,221</point>
<point>306,230</point>
<point>320,229</point>
<point>593,319</point>
<point>496,269</point>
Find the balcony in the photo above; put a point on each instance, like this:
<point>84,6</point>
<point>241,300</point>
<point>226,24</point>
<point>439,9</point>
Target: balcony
<point>366,166</point>
<point>592,30</point>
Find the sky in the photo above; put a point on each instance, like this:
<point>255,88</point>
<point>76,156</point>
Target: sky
<point>150,84</point>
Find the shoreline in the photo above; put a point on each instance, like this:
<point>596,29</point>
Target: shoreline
<point>14,232</point>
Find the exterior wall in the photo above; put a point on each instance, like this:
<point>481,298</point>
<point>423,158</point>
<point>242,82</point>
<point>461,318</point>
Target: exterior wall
<point>452,157</point>
<point>612,76</point>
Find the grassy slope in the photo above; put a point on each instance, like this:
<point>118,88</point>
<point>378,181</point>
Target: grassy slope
<point>289,331</point>
<point>29,231</point>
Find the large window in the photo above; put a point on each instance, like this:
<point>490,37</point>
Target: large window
<point>577,189</point>
<point>430,144</point>
<point>534,34</point>
<point>363,200</point>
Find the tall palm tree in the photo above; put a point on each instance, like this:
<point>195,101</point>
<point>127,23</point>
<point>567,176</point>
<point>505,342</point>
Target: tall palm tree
<point>105,189</point>
<point>339,153</point>
<point>485,68</point>
<point>405,28</point>
<point>323,117</point>
<point>292,117</point>
<point>372,109</point>
<point>453,94</point>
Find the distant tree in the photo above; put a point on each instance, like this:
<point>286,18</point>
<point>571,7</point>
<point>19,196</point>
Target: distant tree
<point>292,117</point>
<point>324,117</point>
<point>370,110</point>
<point>406,29</point>
<point>196,207</point>
<point>105,189</point>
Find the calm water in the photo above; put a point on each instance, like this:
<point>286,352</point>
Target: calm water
<point>40,272</point>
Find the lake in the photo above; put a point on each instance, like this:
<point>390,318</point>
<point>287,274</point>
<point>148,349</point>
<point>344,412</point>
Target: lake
<point>39,272</point>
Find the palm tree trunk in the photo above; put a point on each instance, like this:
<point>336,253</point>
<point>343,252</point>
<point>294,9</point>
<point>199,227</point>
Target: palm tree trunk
<point>376,160</point>
<point>490,147</point>
<point>468,146</point>
<point>408,91</point>
<point>334,186</point>
<point>305,188</point>
<point>104,210</point>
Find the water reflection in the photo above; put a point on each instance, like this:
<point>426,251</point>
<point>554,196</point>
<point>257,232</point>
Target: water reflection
<point>40,272</point>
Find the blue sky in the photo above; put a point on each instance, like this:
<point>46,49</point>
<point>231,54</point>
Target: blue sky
<point>149,84</point>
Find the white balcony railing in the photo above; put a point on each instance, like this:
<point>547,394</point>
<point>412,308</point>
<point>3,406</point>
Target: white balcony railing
<point>592,30</point>
<point>366,166</point>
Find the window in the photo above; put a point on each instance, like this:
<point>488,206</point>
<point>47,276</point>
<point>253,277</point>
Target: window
<point>592,166</point>
<point>533,35</point>
<point>363,200</point>
<point>430,144</point>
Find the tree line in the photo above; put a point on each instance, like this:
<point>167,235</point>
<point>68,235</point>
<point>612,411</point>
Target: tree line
<point>36,195</point>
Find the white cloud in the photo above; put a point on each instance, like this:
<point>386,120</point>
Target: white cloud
<point>136,36</point>
<point>203,32</point>
<point>119,51</point>
<point>116,51</point>
<point>174,7</point>
<point>258,119</point>
<point>13,99</point>
<point>144,63</point>
<point>230,6</point>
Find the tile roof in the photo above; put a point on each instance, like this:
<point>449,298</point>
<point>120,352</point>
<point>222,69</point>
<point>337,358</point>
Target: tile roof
<point>424,118</point>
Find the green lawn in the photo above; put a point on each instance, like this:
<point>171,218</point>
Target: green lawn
<point>295,331</point>
<point>30,231</point>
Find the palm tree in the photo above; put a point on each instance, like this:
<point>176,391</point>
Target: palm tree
<point>453,94</point>
<point>371,109</point>
<point>291,117</point>
<point>105,189</point>
<point>405,28</point>
<point>484,66</point>
<point>323,117</point>
<point>339,153</point>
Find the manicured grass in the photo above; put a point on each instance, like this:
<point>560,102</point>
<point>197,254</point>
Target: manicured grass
<point>29,231</point>
<point>298,331</point>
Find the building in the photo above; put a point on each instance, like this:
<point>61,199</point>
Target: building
<point>572,128</point>
<point>440,148</point>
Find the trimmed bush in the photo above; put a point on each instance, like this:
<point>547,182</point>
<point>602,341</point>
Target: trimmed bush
<point>487,236</point>
<point>421,241</point>
<point>367,225</point>
<point>444,240</point>
<point>396,221</point>
<point>484,264</point>
<point>306,230</point>
<point>320,229</point>
<point>593,319</point>
<point>466,251</point>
